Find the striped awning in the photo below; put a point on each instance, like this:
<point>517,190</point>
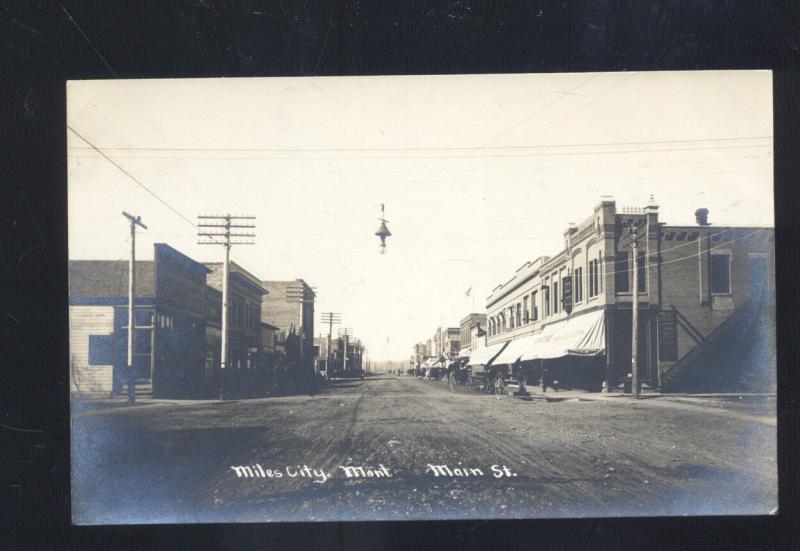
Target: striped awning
<point>580,335</point>
<point>514,350</point>
<point>484,356</point>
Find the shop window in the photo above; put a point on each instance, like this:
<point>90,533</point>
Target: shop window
<point>101,349</point>
<point>720,274</point>
<point>142,342</point>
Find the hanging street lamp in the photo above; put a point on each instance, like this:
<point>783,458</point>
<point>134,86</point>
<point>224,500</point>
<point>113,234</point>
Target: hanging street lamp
<point>383,231</point>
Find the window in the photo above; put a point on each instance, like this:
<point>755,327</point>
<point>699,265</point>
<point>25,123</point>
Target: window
<point>641,269</point>
<point>510,317</point>
<point>621,280</point>
<point>519,314</point>
<point>526,314</point>
<point>599,272</point>
<point>592,283</point>
<point>101,349</point>
<point>720,274</point>
<point>555,297</point>
<point>546,300</point>
<point>577,283</point>
<point>534,306</point>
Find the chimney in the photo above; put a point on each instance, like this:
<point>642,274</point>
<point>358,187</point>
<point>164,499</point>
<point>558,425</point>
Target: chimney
<point>702,217</point>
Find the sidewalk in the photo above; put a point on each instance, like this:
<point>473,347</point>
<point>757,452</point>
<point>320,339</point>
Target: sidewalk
<point>80,408</point>
<point>712,404</point>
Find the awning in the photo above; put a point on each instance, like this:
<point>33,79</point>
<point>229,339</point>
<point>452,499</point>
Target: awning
<point>514,350</point>
<point>583,335</point>
<point>484,356</point>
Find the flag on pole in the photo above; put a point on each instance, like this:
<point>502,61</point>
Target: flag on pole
<point>468,292</point>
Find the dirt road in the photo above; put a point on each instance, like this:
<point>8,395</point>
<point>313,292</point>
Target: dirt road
<point>174,462</point>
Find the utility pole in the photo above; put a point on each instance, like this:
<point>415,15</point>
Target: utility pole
<point>303,294</point>
<point>344,334</point>
<point>633,234</point>
<point>330,318</point>
<point>222,229</point>
<point>131,374</point>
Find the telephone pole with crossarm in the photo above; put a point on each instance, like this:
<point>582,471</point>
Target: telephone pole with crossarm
<point>218,232</point>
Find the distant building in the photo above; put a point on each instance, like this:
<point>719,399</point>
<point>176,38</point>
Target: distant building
<point>704,292</point>
<point>469,326</point>
<point>451,342</point>
<point>244,313</point>
<point>289,306</point>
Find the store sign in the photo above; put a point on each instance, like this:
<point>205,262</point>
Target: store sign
<point>566,292</point>
<point>667,336</point>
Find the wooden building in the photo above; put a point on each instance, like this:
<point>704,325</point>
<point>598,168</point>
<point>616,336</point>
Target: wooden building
<point>170,325</point>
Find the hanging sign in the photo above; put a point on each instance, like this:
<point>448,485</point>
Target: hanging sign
<point>566,294</point>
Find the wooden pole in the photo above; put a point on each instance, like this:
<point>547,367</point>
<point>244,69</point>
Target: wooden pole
<point>635,317</point>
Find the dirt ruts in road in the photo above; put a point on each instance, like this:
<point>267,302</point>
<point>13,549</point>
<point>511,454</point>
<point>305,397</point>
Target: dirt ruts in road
<point>568,458</point>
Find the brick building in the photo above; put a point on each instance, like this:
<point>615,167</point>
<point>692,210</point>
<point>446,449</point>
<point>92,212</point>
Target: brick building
<point>289,306</point>
<point>470,325</point>
<point>245,339</point>
<point>703,290</point>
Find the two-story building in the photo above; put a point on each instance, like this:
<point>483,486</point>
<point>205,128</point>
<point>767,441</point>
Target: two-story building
<point>245,363</point>
<point>469,327</point>
<point>289,306</point>
<point>572,313</point>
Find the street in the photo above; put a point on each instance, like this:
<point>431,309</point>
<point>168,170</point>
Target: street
<point>172,461</point>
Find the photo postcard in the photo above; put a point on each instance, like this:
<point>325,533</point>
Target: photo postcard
<point>422,297</point>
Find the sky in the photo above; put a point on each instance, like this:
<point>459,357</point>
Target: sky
<point>478,174</point>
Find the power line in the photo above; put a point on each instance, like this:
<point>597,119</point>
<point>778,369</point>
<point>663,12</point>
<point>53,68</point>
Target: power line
<point>438,148</point>
<point>137,181</point>
<point>467,155</point>
<point>132,177</point>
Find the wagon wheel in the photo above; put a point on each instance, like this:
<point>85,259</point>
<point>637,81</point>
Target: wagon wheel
<point>451,380</point>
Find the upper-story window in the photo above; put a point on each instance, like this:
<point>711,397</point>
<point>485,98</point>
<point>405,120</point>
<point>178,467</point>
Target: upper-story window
<point>621,279</point>
<point>555,297</point>
<point>526,315</point>
<point>577,283</point>
<point>534,306</point>
<point>594,277</point>
<point>519,314</point>
<point>599,272</point>
<point>721,273</point>
<point>546,300</point>
<point>641,271</point>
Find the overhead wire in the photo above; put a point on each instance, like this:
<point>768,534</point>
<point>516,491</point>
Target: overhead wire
<point>143,186</point>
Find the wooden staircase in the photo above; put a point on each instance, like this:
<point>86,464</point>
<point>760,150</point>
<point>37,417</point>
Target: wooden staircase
<point>726,358</point>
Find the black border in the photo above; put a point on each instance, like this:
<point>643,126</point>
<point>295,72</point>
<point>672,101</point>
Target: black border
<point>42,44</point>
